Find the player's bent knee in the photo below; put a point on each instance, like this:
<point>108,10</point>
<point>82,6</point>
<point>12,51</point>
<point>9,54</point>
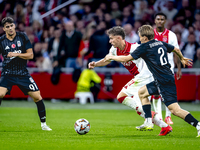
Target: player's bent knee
<point>2,95</point>
<point>36,96</point>
<point>121,96</point>
<point>175,112</point>
<point>141,93</point>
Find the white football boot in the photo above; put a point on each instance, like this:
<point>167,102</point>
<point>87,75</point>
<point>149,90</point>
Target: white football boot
<point>45,127</point>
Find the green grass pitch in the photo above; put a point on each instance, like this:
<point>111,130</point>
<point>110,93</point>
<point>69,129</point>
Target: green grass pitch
<point>112,127</point>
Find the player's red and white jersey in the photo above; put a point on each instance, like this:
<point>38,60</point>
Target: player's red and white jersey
<point>138,67</point>
<point>168,37</point>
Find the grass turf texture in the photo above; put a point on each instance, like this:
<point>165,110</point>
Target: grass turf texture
<point>112,127</point>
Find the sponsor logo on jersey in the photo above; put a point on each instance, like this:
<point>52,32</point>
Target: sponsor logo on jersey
<point>129,63</point>
<point>7,48</point>
<point>18,43</point>
<point>13,45</point>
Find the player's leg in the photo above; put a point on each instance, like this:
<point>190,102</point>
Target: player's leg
<point>129,97</point>
<point>37,98</point>
<point>146,106</point>
<point>130,102</point>
<point>169,96</point>
<point>29,87</point>
<point>168,119</point>
<point>6,84</point>
<point>3,92</point>
<point>185,115</point>
<point>157,104</point>
<point>144,92</point>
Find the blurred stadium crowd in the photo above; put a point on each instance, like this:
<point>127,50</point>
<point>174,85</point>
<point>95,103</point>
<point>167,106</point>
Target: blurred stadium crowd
<point>77,32</point>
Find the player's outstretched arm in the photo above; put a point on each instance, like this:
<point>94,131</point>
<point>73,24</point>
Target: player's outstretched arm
<point>184,60</point>
<point>99,63</point>
<point>27,55</point>
<point>118,58</point>
<point>178,63</point>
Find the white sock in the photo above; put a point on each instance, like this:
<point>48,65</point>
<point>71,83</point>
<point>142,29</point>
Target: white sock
<point>158,107</point>
<point>157,121</point>
<point>198,126</point>
<point>43,124</point>
<point>148,120</point>
<point>132,103</point>
<point>168,112</point>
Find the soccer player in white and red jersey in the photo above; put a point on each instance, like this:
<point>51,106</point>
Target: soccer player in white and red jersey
<point>129,93</point>
<point>165,35</point>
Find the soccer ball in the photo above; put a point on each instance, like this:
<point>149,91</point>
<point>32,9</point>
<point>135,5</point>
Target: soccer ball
<point>82,126</point>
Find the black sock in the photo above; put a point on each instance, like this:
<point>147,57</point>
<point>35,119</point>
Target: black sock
<point>147,110</point>
<point>41,110</point>
<point>0,101</point>
<point>191,120</point>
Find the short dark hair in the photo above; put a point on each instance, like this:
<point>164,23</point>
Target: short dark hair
<point>161,14</point>
<point>117,30</point>
<point>7,19</point>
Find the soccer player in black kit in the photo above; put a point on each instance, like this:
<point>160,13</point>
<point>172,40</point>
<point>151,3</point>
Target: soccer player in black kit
<point>154,54</point>
<point>16,49</point>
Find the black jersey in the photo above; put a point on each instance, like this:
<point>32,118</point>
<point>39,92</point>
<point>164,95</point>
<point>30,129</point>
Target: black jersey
<point>154,54</point>
<point>14,65</point>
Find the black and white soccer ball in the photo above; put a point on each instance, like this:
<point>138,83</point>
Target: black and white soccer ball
<point>82,126</point>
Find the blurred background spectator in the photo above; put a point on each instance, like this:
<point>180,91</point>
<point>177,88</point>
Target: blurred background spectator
<point>69,45</point>
<point>77,31</point>
<point>190,48</point>
<point>131,35</point>
<point>197,62</point>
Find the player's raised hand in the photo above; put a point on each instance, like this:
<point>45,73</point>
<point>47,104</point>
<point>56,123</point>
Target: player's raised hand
<point>91,65</point>
<point>186,61</point>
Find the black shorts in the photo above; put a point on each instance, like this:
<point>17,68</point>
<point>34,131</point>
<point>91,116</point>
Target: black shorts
<point>167,91</point>
<point>25,83</point>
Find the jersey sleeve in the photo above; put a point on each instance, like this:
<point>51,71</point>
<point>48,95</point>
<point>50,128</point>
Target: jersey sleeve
<point>27,42</point>
<point>112,51</point>
<point>173,39</point>
<point>134,46</point>
<point>169,47</point>
<point>140,50</point>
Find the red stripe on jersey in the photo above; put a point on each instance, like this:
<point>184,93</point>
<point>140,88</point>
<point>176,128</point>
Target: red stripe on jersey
<point>164,36</point>
<point>130,66</point>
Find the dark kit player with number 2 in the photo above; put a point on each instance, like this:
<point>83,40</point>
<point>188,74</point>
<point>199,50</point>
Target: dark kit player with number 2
<point>16,49</point>
<point>154,53</point>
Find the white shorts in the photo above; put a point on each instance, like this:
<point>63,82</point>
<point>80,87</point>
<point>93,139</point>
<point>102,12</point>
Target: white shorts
<point>132,87</point>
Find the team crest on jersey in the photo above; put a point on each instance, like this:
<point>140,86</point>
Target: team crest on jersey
<point>31,79</point>
<point>18,43</point>
<point>13,45</point>
<point>165,38</point>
